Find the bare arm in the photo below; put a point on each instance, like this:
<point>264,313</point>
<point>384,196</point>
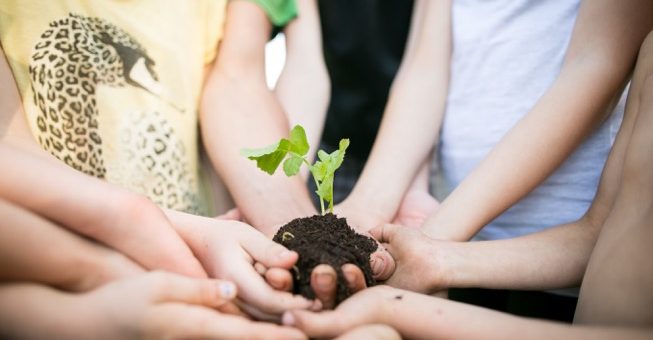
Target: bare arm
<point>554,258</point>
<point>81,203</point>
<point>599,60</point>
<point>35,249</point>
<point>153,305</point>
<point>418,316</point>
<point>412,117</point>
<point>239,111</point>
<point>304,85</point>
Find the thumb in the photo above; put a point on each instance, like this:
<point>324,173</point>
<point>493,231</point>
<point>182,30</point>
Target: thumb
<point>268,252</point>
<point>385,232</point>
<point>168,287</point>
<point>382,263</point>
<point>325,324</point>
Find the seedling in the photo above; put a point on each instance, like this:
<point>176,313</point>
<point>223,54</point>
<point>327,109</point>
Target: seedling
<point>292,152</point>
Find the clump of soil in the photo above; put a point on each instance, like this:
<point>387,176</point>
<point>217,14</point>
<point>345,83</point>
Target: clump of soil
<point>326,240</point>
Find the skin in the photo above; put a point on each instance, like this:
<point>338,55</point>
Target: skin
<point>229,249</point>
<point>599,60</point>
<point>607,250</point>
<point>107,213</point>
<point>80,210</point>
<point>415,102</point>
<point>35,249</point>
<point>153,305</point>
<point>228,111</point>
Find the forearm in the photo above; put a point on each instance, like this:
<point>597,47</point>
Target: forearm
<point>29,311</point>
<point>267,202</point>
<point>525,157</point>
<point>417,316</point>
<point>413,114</point>
<point>554,258</point>
<point>24,184</point>
<point>599,61</point>
<point>303,87</point>
<point>239,111</point>
<point>34,249</point>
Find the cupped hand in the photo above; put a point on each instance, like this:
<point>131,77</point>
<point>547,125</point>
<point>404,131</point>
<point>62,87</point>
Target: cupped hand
<point>235,251</point>
<point>165,305</point>
<point>420,264</point>
<point>369,306</point>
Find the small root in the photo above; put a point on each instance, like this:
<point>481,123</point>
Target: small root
<point>287,236</point>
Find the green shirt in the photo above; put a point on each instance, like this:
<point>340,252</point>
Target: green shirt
<point>280,12</point>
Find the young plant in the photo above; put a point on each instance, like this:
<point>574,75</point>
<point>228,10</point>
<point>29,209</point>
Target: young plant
<point>294,150</point>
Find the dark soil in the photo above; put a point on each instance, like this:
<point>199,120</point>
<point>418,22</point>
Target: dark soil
<point>326,240</point>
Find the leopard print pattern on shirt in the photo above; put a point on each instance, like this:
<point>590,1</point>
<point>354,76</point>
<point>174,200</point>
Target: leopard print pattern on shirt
<point>73,56</point>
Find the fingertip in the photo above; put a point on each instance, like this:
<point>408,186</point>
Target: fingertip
<point>288,319</point>
<point>354,277</point>
<point>227,290</point>
<point>279,279</point>
<point>383,265</point>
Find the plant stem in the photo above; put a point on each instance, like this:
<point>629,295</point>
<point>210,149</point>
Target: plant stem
<point>317,184</point>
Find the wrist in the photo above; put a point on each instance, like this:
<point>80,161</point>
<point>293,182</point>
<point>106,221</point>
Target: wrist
<point>456,265</point>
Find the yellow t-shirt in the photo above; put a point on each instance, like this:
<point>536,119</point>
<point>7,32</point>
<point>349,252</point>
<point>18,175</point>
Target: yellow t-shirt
<point>112,87</point>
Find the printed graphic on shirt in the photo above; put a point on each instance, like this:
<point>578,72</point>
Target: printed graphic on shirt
<point>74,56</point>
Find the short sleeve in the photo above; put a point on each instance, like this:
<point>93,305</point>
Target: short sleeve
<point>214,20</point>
<point>280,12</point>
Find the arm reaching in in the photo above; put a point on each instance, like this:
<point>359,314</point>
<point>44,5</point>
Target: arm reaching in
<point>83,204</point>
<point>418,316</point>
<point>411,119</point>
<point>239,111</point>
<point>153,305</point>
<point>34,249</point>
<point>599,60</point>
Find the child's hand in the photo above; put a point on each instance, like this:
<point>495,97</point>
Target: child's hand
<point>166,305</point>
<point>362,220</point>
<point>369,306</point>
<point>236,251</point>
<point>420,264</point>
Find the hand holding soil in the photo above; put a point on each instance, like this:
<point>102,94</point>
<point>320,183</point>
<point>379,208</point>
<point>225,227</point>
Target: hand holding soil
<point>323,239</point>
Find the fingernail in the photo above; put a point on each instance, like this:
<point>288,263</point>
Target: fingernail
<point>324,281</point>
<point>377,265</point>
<point>227,290</point>
<point>288,319</point>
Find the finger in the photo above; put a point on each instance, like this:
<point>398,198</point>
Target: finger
<point>260,268</point>
<point>179,321</point>
<point>354,277</point>
<point>326,324</point>
<point>279,279</point>
<point>385,233</point>
<point>323,282</point>
<point>256,292</point>
<point>233,309</point>
<point>382,263</point>
<point>169,287</point>
<point>266,251</point>
<point>374,331</point>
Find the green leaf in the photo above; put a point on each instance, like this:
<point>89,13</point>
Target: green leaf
<point>322,155</point>
<point>249,153</point>
<point>269,157</point>
<point>298,141</point>
<point>325,190</point>
<point>292,164</point>
<point>319,170</point>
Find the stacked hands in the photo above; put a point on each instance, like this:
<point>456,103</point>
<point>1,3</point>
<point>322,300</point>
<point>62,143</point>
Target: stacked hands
<point>130,285</point>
